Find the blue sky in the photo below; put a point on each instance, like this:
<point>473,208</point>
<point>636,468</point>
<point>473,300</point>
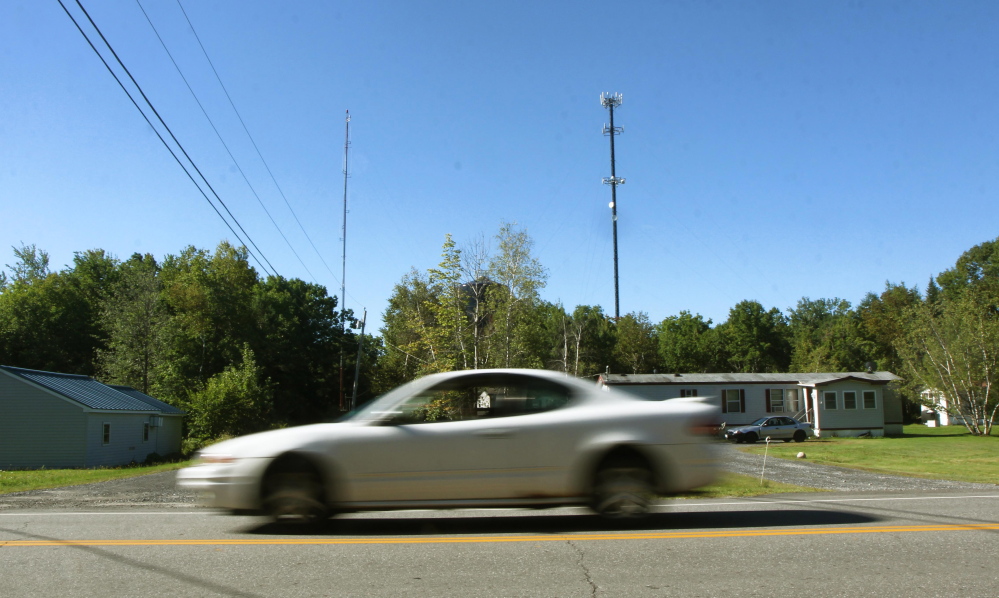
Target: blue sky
<point>772,150</point>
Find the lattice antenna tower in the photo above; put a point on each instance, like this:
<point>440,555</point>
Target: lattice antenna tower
<point>611,101</point>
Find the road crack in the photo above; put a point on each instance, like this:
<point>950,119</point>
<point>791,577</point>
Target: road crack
<point>582,565</point>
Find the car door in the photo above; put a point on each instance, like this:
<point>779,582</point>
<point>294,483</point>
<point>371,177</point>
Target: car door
<point>545,437</point>
<point>447,443</point>
<point>783,428</point>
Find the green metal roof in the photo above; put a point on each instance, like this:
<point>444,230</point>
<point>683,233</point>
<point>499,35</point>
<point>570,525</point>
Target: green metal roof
<point>86,391</point>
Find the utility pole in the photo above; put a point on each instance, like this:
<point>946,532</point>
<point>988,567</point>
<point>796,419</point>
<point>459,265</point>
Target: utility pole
<point>343,273</point>
<point>611,101</point>
<point>357,364</point>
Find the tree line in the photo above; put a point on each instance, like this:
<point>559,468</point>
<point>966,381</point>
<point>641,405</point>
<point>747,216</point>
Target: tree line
<point>199,330</point>
<point>203,331</point>
<point>483,308</point>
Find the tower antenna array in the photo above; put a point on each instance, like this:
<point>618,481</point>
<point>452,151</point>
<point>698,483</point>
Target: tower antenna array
<point>611,101</point>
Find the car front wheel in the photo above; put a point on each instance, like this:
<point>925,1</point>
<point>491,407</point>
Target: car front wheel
<point>623,490</point>
<point>293,493</point>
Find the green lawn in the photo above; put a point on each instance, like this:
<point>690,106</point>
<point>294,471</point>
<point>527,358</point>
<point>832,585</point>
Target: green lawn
<point>734,484</point>
<point>38,479</point>
<point>946,453</point>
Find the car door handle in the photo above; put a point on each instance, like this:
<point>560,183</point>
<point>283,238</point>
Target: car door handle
<point>495,433</point>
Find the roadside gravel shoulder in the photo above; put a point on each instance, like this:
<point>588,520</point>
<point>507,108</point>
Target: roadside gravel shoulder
<point>157,490</point>
<point>828,477</point>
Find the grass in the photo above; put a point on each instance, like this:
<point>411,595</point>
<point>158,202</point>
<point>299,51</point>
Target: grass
<point>40,479</point>
<point>945,453</point>
<point>736,485</point>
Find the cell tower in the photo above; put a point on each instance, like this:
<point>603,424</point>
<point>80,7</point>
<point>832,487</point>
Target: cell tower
<point>611,101</point>
<point>343,273</point>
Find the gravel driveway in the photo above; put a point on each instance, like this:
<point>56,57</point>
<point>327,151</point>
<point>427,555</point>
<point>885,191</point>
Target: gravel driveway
<point>159,491</point>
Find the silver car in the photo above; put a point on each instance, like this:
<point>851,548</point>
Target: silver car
<point>524,438</point>
<point>775,427</point>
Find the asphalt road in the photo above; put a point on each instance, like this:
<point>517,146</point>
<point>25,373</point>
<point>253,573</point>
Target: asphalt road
<point>918,543</point>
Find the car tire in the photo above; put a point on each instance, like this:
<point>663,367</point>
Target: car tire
<point>751,438</point>
<point>623,489</point>
<point>293,493</point>
<point>800,436</point>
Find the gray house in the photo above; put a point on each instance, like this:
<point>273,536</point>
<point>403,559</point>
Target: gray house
<point>836,404</point>
<point>65,420</point>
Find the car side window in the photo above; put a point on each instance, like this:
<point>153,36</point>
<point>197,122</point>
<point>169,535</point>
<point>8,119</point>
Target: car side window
<point>482,396</point>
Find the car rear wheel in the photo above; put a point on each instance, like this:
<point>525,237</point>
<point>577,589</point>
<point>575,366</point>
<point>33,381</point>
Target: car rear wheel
<point>293,493</point>
<point>623,489</point>
<point>799,436</point>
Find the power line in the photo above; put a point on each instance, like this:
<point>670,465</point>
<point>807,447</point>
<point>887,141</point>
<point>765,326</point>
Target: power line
<point>219,135</point>
<point>151,126</point>
<point>169,131</point>
<point>254,143</point>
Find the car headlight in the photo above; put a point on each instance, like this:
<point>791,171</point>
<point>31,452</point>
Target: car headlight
<point>215,458</point>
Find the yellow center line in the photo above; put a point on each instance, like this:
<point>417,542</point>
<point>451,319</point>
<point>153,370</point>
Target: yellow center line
<point>896,529</point>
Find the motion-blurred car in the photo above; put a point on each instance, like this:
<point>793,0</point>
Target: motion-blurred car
<point>524,438</point>
<point>776,427</point>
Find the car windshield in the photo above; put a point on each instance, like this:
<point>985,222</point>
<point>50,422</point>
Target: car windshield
<point>384,405</point>
<point>471,396</point>
<point>760,421</point>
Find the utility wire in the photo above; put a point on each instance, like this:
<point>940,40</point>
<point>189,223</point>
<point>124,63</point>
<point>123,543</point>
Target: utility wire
<point>168,130</point>
<point>162,140</point>
<point>252,141</point>
<point>219,135</point>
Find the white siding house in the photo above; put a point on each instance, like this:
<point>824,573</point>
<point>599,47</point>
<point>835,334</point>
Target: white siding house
<point>63,420</point>
<point>836,404</point>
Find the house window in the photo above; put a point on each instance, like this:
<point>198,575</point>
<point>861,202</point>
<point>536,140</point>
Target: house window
<point>849,399</point>
<point>106,439</point>
<point>776,400</point>
<point>732,400</point>
<point>145,432</point>
<point>829,399</point>
<point>793,406</point>
<point>870,402</point>
<point>688,392</point>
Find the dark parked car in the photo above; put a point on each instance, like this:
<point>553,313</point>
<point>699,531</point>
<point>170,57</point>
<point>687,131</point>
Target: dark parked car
<point>775,427</point>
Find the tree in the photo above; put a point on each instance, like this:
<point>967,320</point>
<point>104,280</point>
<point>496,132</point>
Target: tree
<point>135,321</point>
<point>687,343</point>
<point>447,337</point>
<point>46,320</point>
<point>406,318</point>
<point>520,277</point>
<point>233,402</point>
<point>209,300</point>
<point>32,264</point>
<point>953,353</point>
<point>882,322</point>
<point>297,346</point>
<point>825,337</point>
<point>756,340</point>
<point>976,265</point>
<point>637,348</point>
